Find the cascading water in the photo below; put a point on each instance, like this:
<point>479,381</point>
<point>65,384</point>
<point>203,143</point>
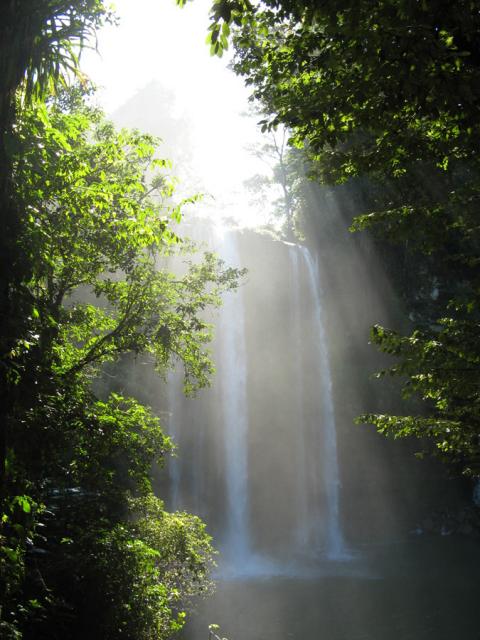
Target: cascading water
<point>302,534</point>
<point>234,406</point>
<point>334,545</point>
<point>258,453</point>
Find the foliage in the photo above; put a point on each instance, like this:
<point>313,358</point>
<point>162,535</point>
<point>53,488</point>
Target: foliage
<point>91,216</point>
<point>368,76</point>
<point>129,580</point>
<point>388,92</point>
<point>41,43</point>
<point>83,537</point>
<point>283,187</point>
<point>441,367</point>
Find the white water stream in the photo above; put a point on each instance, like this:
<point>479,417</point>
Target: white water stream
<point>328,457</point>
<point>217,466</point>
<point>302,533</point>
<point>234,407</point>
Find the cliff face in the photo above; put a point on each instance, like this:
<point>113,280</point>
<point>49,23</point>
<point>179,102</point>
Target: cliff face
<point>280,470</point>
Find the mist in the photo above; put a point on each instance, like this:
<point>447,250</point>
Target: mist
<point>319,523</point>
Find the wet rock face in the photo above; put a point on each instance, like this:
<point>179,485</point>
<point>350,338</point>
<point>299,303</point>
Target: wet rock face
<point>444,522</point>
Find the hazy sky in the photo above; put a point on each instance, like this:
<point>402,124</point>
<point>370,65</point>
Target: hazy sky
<point>157,40</point>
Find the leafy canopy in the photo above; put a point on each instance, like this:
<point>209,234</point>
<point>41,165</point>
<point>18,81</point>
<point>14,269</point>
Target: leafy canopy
<point>99,211</point>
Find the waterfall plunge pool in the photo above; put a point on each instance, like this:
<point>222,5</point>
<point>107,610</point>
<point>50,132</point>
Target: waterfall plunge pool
<point>425,588</point>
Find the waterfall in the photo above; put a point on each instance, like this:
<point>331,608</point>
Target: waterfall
<point>258,451</point>
<point>302,532</point>
<point>234,406</point>
<point>334,546</point>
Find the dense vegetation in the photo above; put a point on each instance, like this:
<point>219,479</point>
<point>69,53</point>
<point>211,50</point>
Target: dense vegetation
<point>86,547</point>
<point>388,94</point>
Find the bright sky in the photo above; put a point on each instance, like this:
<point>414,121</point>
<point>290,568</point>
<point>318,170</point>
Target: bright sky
<point>156,40</point>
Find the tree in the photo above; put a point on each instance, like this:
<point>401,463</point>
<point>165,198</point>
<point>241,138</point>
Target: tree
<point>40,43</point>
<point>99,211</point>
<point>388,92</point>
<point>372,77</point>
<point>286,177</point>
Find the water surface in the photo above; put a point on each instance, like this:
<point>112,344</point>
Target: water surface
<point>422,589</point>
